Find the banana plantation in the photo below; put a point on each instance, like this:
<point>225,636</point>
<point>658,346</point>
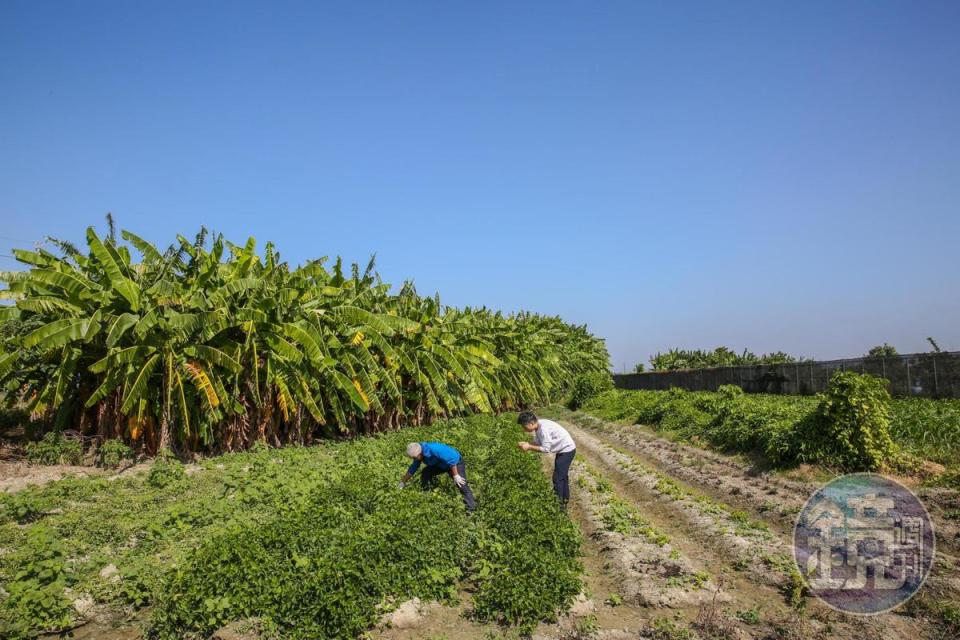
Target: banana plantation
<point>210,345</point>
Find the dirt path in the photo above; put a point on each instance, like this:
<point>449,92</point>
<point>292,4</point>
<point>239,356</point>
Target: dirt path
<point>18,475</point>
<point>737,527</point>
<point>776,498</point>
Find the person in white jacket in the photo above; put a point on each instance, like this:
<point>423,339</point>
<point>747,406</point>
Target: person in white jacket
<point>550,437</point>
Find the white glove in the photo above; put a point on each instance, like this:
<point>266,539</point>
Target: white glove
<point>401,484</point>
<point>459,480</point>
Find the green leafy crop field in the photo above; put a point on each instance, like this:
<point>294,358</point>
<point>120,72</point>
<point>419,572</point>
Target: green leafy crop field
<point>315,541</point>
<point>791,429</point>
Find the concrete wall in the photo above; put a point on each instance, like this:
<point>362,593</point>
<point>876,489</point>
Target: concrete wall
<point>932,375</point>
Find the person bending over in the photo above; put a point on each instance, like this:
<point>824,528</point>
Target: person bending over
<point>550,437</point>
<point>437,459</point>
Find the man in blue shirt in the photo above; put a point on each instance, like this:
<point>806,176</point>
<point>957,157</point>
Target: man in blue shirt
<point>438,458</point>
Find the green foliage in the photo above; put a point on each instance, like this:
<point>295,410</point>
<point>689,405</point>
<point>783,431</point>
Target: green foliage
<point>312,540</point>
<point>12,416</point>
<point>615,600</point>
<point>321,571</point>
<point>950,478</point>
<point>112,452</point>
<point>795,590</point>
<point>137,584</point>
<point>211,345</point>
<point>584,628</point>
<point>165,471</point>
<point>354,547</point>
<point>23,507</point>
<point>53,448</point>
<point>749,616</point>
<point>36,599</point>
<point>850,427</point>
<point>587,386</point>
<point>622,517</point>
<point>927,427</point>
<point>882,351</point>
<point>531,543</point>
<point>950,613</point>
<point>681,416</point>
<point>680,359</point>
<point>854,427</point>
<point>667,629</point>
<point>639,368</point>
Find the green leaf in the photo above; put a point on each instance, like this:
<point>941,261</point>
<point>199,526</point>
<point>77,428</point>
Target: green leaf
<point>146,249</point>
<point>147,322</point>
<point>119,327</point>
<point>284,349</point>
<point>7,360</point>
<point>214,356</point>
<point>72,285</point>
<point>120,283</point>
<point>139,386</point>
<point>56,334</point>
<point>357,316</point>
<point>121,357</point>
<point>34,258</point>
<point>302,336</point>
<point>112,380</point>
<point>232,288</point>
<point>48,305</point>
<point>346,385</point>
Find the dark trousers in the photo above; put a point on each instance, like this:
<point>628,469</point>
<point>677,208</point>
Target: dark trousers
<point>561,475</point>
<point>429,473</point>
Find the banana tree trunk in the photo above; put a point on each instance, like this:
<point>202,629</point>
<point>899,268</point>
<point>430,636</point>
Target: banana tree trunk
<point>167,402</point>
<point>164,430</point>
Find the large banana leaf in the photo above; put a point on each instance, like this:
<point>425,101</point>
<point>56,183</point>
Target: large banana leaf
<point>57,333</point>
<point>120,283</point>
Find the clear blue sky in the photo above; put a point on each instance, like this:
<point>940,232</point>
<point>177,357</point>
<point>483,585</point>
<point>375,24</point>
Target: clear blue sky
<point>768,175</point>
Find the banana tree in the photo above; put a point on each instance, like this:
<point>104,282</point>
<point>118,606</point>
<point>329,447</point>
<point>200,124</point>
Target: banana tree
<point>216,345</point>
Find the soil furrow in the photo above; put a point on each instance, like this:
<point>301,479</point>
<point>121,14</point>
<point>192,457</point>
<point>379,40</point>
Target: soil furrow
<point>772,498</point>
<point>716,535</point>
<point>649,570</point>
<point>778,499</point>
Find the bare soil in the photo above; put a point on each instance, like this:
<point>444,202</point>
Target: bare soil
<point>18,475</point>
<point>723,514</point>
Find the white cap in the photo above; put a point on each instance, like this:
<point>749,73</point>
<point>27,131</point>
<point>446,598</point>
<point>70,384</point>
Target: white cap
<point>414,449</point>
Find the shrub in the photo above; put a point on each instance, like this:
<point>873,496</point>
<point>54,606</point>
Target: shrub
<point>847,427</point>
<point>882,351</point>
<point>770,425</point>
<point>54,449</point>
<point>854,427</point>
<point>165,471</point>
<point>112,452</point>
<point>729,391</point>
<point>587,386</point>
<point>682,417</point>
